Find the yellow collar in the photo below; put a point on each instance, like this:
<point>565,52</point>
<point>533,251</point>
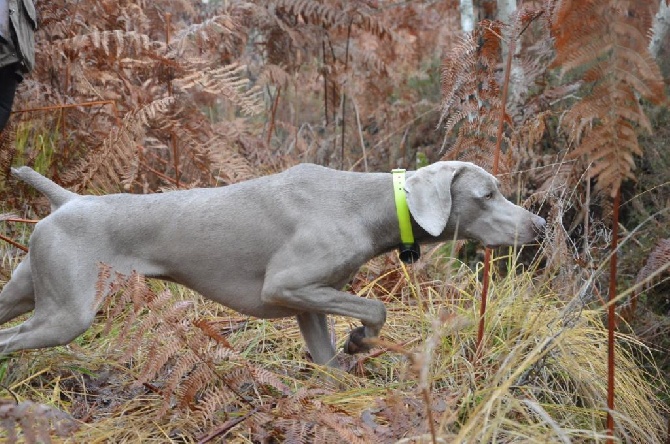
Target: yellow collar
<point>409,249</point>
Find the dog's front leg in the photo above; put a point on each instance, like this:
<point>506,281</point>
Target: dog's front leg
<point>315,302</point>
<point>314,328</point>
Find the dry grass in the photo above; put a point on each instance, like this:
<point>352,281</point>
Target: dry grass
<point>539,377</point>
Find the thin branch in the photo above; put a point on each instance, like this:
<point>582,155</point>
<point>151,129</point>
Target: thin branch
<point>14,243</point>
<point>496,163</point>
<point>360,136</point>
<point>225,427</point>
<point>611,322</point>
<point>344,94</point>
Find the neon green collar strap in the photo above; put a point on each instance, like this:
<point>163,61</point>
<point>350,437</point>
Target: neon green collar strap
<point>409,249</point>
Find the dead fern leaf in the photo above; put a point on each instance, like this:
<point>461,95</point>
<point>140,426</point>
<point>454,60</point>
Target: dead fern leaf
<point>114,43</point>
<point>658,258</point>
<point>132,344</point>
<point>37,423</point>
<point>7,149</point>
<point>274,75</point>
<point>186,361</point>
<point>310,11</point>
<point>117,161</point>
<point>223,33</point>
<point>608,42</point>
<point>227,82</point>
<point>471,97</point>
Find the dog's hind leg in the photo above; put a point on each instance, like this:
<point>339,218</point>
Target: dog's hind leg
<point>18,295</point>
<point>64,304</point>
<point>50,325</point>
<point>314,329</point>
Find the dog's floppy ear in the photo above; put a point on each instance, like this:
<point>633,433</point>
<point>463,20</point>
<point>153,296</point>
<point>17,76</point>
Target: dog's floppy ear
<point>429,196</point>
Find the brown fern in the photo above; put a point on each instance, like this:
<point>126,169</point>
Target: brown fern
<point>656,267</point>
<point>186,359</point>
<point>658,259</point>
<point>471,96</point>
<point>116,161</point>
<point>607,41</point>
<point>37,423</point>
<point>85,55</point>
<point>136,57</point>
<point>223,33</point>
<point>198,370</point>
<point>225,82</point>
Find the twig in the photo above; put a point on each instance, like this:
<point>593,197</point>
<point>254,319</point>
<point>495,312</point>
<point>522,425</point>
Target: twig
<point>344,94</point>
<point>325,79</point>
<point>528,24</point>
<point>18,220</point>
<point>431,422</point>
<point>360,135</point>
<point>385,346</point>
<point>14,243</point>
<point>156,172</point>
<point>273,114</point>
<point>225,427</point>
<point>611,322</point>
<point>74,105</point>
<point>496,162</point>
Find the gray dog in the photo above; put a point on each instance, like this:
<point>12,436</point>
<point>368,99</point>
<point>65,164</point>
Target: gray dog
<point>276,246</point>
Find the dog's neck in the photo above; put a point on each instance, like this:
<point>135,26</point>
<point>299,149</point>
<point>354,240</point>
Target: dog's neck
<point>408,249</point>
<point>379,207</point>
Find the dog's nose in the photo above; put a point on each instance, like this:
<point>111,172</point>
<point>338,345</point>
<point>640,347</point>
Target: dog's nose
<point>540,224</point>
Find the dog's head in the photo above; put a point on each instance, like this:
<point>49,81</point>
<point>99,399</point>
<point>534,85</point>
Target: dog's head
<point>459,200</point>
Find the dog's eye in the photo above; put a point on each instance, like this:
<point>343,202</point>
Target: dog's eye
<point>489,196</point>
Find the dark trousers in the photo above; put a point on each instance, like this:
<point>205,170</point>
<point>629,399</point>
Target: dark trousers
<point>8,82</point>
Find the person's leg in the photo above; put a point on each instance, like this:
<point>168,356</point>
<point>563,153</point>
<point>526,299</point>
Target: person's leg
<point>8,82</point>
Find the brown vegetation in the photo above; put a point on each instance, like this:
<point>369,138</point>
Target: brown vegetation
<point>136,97</point>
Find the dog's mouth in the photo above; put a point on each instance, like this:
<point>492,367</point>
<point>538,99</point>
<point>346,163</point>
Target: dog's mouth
<point>516,242</point>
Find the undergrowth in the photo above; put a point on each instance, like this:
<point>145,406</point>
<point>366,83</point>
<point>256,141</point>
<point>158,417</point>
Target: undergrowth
<point>163,364</point>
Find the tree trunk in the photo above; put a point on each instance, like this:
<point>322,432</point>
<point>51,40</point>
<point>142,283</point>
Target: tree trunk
<point>467,15</point>
<point>487,9</point>
<point>659,29</point>
<point>506,9</point>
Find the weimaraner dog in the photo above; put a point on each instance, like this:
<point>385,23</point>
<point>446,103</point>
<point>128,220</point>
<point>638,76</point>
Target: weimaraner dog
<point>276,246</point>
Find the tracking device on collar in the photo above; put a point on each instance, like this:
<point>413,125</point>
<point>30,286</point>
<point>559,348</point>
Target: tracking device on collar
<point>409,253</point>
<point>408,250</point>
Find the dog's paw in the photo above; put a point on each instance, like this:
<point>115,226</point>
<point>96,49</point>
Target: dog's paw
<point>356,342</point>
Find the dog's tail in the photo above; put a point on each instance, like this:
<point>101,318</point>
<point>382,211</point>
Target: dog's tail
<point>56,194</point>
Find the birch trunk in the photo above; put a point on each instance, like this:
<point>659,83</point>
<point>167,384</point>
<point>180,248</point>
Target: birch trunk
<point>659,28</point>
<point>467,15</point>
<point>506,9</point>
